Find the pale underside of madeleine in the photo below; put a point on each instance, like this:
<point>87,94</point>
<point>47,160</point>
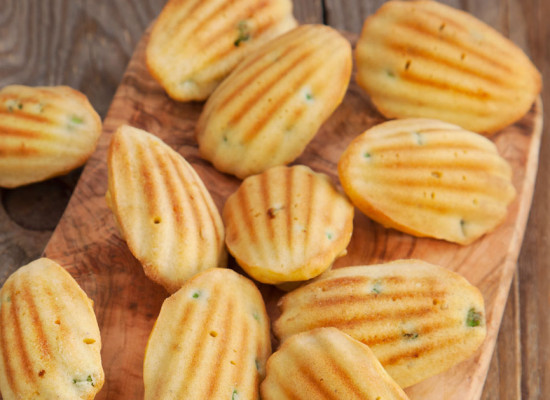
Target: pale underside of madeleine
<point>287,224</point>
<point>418,319</point>
<point>210,341</point>
<point>195,44</point>
<point>426,59</point>
<point>163,209</point>
<point>428,178</point>
<point>49,338</point>
<point>326,363</point>
<point>44,132</point>
<point>267,111</point>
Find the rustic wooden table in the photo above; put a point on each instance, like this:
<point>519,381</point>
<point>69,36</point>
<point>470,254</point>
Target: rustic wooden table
<point>87,45</point>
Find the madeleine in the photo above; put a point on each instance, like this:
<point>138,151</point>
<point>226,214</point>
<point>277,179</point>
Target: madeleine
<point>327,364</point>
<point>287,224</point>
<point>163,210</point>
<point>49,338</point>
<point>418,319</point>
<point>428,178</point>
<point>267,111</point>
<point>211,340</point>
<point>195,44</point>
<point>44,132</point>
<point>426,59</point>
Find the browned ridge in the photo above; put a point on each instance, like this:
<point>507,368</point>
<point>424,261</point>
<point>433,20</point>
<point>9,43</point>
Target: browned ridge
<point>165,212</point>
<point>418,319</point>
<point>49,338</point>
<point>211,340</point>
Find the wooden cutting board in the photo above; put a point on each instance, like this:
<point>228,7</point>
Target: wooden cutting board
<point>88,244</point>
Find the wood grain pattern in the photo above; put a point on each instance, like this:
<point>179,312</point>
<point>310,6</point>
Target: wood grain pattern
<point>87,45</point>
<point>534,271</point>
<point>504,376</point>
<point>87,242</point>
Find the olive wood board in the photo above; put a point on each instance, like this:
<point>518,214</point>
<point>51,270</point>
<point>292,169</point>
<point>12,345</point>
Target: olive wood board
<point>88,244</point>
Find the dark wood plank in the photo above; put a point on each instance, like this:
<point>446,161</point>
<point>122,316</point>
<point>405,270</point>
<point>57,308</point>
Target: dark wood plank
<point>85,45</point>
<point>504,377</point>
<point>349,15</point>
<point>534,274</point>
<point>309,12</point>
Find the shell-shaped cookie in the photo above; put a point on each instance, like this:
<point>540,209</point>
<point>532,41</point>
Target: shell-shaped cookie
<point>44,132</point>
<point>327,364</point>
<point>428,178</point>
<point>49,338</point>
<point>267,111</point>
<point>164,211</point>
<point>287,224</point>
<point>194,44</point>
<point>210,341</point>
<point>426,59</point>
<point>418,319</point>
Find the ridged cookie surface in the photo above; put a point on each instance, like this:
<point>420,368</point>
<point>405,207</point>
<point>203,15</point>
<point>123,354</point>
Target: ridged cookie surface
<point>44,132</point>
<point>327,364</point>
<point>211,340</point>
<point>195,44</point>
<point>272,105</point>
<point>426,59</point>
<point>163,209</point>
<point>287,224</point>
<point>49,338</point>
<point>428,178</point>
<point>418,319</point>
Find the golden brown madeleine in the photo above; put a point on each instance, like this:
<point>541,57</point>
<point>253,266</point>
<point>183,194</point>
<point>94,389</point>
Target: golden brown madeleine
<point>287,224</point>
<point>418,319</point>
<point>194,44</point>
<point>49,338</point>
<point>164,211</point>
<point>428,178</point>
<point>426,59</point>
<point>44,132</point>
<point>272,105</point>
<point>326,363</point>
<point>210,341</point>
